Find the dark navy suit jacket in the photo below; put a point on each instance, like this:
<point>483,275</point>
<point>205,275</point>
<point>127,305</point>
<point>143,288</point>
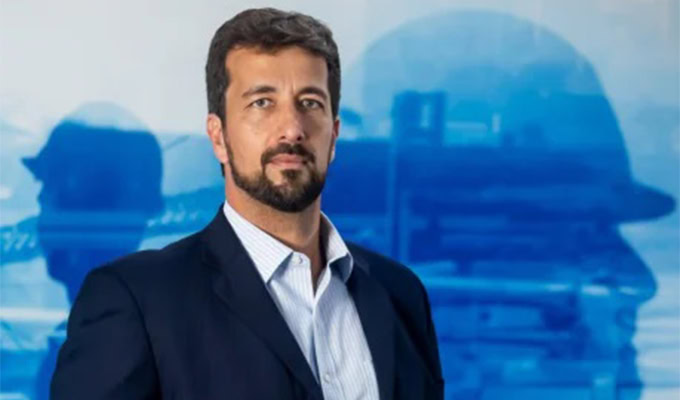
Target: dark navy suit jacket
<point>195,321</point>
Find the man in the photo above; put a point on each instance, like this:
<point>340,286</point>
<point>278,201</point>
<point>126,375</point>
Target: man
<point>267,302</point>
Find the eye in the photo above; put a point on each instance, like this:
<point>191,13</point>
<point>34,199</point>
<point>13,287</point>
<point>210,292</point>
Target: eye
<point>261,103</point>
<point>310,104</point>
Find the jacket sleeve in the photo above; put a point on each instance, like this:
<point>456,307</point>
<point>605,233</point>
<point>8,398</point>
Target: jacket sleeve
<point>106,354</point>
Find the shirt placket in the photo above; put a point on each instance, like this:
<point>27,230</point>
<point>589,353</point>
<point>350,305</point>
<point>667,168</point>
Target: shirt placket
<point>328,375</point>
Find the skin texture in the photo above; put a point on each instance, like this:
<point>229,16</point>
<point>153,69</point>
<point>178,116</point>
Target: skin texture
<point>275,102</point>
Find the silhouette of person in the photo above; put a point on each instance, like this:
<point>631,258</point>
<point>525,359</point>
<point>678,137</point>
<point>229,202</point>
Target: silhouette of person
<point>509,162</point>
<point>101,173</point>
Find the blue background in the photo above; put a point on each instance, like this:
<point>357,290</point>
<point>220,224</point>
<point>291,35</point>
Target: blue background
<point>480,147</point>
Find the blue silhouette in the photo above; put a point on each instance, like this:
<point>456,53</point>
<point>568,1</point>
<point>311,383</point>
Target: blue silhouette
<point>502,178</point>
<point>101,173</point>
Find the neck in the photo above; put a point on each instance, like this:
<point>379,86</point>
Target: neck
<point>298,230</point>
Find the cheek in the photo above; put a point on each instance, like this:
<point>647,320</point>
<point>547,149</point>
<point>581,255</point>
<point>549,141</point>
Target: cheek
<point>317,124</point>
<point>246,145</point>
<point>249,156</point>
<point>324,146</point>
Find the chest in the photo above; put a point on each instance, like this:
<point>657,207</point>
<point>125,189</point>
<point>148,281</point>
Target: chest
<point>328,330</point>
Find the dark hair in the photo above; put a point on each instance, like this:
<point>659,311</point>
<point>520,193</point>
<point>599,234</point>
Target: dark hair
<point>269,29</point>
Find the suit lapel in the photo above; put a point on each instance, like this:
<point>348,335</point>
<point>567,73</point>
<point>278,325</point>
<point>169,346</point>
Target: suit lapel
<point>378,320</point>
<point>239,286</point>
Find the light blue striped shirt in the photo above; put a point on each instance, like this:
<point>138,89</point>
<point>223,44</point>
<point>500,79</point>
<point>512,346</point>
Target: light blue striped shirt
<point>325,323</point>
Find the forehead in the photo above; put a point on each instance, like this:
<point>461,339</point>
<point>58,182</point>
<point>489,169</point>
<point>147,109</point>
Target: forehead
<point>254,65</point>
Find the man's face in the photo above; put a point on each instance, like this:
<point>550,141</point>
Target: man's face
<point>279,132</point>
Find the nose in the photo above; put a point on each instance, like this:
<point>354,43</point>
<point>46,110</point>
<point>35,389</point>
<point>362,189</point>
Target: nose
<point>291,127</point>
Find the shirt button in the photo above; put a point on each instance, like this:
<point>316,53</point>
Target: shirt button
<point>298,259</point>
<point>327,378</point>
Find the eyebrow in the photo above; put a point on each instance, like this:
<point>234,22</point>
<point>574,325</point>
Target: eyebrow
<point>259,89</point>
<point>314,90</point>
<point>262,89</point>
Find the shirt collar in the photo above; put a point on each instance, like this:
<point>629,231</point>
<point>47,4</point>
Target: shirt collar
<point>268,253</point>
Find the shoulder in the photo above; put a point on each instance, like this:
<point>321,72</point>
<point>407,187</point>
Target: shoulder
<point>156,271</point>
<point>407,295</point>
<point>402,284</point>
<point>150,261</point>
<point>409,298</point>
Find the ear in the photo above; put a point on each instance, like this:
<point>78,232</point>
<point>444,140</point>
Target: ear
<point>334,139</point>
<point>215,132</point>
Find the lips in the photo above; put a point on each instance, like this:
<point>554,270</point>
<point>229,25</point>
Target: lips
<point>288,160</point>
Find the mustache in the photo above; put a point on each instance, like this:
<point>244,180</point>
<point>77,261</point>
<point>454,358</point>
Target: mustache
<point>287,148</point>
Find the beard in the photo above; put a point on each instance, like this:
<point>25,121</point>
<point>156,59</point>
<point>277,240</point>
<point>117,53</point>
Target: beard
<point>295,194</point>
